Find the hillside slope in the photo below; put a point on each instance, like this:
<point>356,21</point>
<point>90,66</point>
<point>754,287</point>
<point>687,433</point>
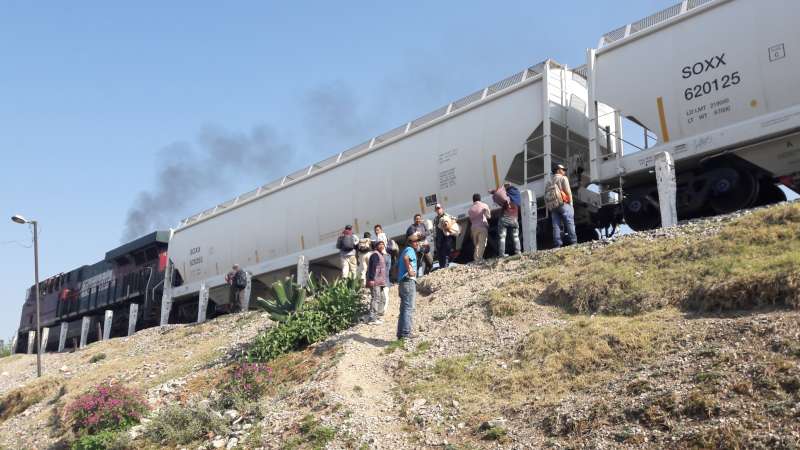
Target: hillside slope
<point>680,338</point>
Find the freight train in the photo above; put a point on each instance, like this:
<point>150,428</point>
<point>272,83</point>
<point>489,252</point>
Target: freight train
<point>710,84</point>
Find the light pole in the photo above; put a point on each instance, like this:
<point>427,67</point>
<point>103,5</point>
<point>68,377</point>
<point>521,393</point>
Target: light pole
<point>19,219</point>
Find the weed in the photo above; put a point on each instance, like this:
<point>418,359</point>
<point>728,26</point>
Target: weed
<point>495,434</point>
<point>394,345</point>
<point>97,358</point>
<point>180,425</point>
<point>104,440</point>
<point>358,390</point>
<point>422,347</point>
<point>700,406</point>
<point>315,433</point>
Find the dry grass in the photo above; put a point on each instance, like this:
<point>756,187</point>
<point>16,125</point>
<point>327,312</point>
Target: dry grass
<point>20,399</point>
<point>751,262</point>
<point>549,363</point>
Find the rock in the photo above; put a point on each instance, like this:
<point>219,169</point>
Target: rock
<point>136,431</point>
<point>247,426</point>
<point>63,369</point>
<point>218,442</point>
<point>418,403</point>
<point>455,403</point>
<point>232,443</point>
<point>231,414</point>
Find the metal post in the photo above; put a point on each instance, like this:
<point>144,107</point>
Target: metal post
<point>618,143</point>
<point>86,321</point>
<point>43,340</point>
<point>31,341</point>
<point>245,296</point>
<point>107,324</point>
<point>202,303</point>
<point>62,336</point>
<point>529,220</point>
<point>546,143</point>
<point>594,166</point>
<point>36,280</point>
<point>665,179</point>
<point>133,316</point>
<point>302,271</point>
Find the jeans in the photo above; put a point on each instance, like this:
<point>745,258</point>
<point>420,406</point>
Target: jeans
<point>444,246</point>
<point>505,224</point>
<point>479,238</point>
<point>378,304</point>
<point>424,262</point>
<point>565,215</point>
<point>408,291</point>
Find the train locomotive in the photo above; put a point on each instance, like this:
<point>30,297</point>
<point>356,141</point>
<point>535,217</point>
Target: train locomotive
<point>130,274</point>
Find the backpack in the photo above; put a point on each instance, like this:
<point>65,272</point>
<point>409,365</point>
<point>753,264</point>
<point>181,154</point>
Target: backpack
<point>240,279</point>
<point>514,195</point>
<point>345,243</point>
<point>553,197</point>
<point>500,196</point>
<point>364,245</point>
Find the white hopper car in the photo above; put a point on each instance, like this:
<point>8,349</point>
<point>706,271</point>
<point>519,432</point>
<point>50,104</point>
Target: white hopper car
<point>714,83</point>
<point>470,145</point>
<point>717,83</point>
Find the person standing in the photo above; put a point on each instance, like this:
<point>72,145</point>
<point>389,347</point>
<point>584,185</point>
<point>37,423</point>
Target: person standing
<point>363,252</point>
<point>346,243</point>
<point>377,277</point>
<point>559,203</point>
<point>424,251</point>
<point>380,236</point>
<point>237,280</point>
<point>479,215</point>
<point>509,220</point>
<point>407,280</point>
<point>444,236</point>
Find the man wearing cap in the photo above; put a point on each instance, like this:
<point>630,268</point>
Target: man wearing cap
<point>406,275</point>
<point>444,242</point>
<point>346,243</point>
<point>424,255</point>
<point>562,213</point>
<point>237,280</point>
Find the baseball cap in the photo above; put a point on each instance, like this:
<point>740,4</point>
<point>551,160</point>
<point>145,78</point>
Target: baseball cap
<point>348,227</point>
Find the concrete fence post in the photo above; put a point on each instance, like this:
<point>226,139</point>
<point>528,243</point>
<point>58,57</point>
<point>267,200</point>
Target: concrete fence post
<point>45,337</point>
<point>14,343</point>
<point>245,296</point>
<point>31,341</point>
<point>166,298</point>
<point>86,321</point>
<point>529,220</point>
<point>667,189</point>
<point>302,271</point>
<point>109,318</point>
<point>202,303</point>
<point>62,336</point>
<point>133,316</point>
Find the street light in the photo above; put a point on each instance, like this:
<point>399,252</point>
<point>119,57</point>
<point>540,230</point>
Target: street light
<point>21,220</point>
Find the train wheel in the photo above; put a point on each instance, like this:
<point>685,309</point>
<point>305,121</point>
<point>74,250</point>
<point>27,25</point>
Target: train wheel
<point>769,193</point>
<point>641,214</point>
<point>732,190</point>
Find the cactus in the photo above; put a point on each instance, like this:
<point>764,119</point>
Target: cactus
<point>289,298</point>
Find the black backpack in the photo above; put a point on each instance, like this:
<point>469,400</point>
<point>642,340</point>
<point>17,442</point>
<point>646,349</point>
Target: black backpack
<point>240,279</point>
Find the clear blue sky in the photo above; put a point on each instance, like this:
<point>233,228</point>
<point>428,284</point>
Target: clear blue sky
<point>96,96</point>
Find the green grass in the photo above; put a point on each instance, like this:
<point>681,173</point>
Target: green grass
<point>394,345</point>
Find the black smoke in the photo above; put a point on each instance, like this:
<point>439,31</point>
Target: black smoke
<point>193,171</point>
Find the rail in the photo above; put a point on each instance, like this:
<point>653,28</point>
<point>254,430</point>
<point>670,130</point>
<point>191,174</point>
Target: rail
<point>651,21</point>
<point>444,111</point>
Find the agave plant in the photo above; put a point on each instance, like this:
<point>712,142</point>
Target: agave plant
<point>289,298</point>
<point>316,285</point>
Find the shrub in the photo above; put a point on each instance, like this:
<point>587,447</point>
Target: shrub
<point>106,407</point>
<point>245,382</point>
<point>97,358</point>
<point>181,425</point>
<point>335,307</point>
<point>104,440</point>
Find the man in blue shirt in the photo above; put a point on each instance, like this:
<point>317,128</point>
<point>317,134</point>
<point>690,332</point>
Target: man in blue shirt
<point>407,276</point>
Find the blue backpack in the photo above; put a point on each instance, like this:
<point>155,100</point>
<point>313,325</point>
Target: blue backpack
<point>514,195</point>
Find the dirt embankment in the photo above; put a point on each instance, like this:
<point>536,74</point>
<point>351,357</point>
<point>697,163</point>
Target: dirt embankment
<point>678,338</point>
